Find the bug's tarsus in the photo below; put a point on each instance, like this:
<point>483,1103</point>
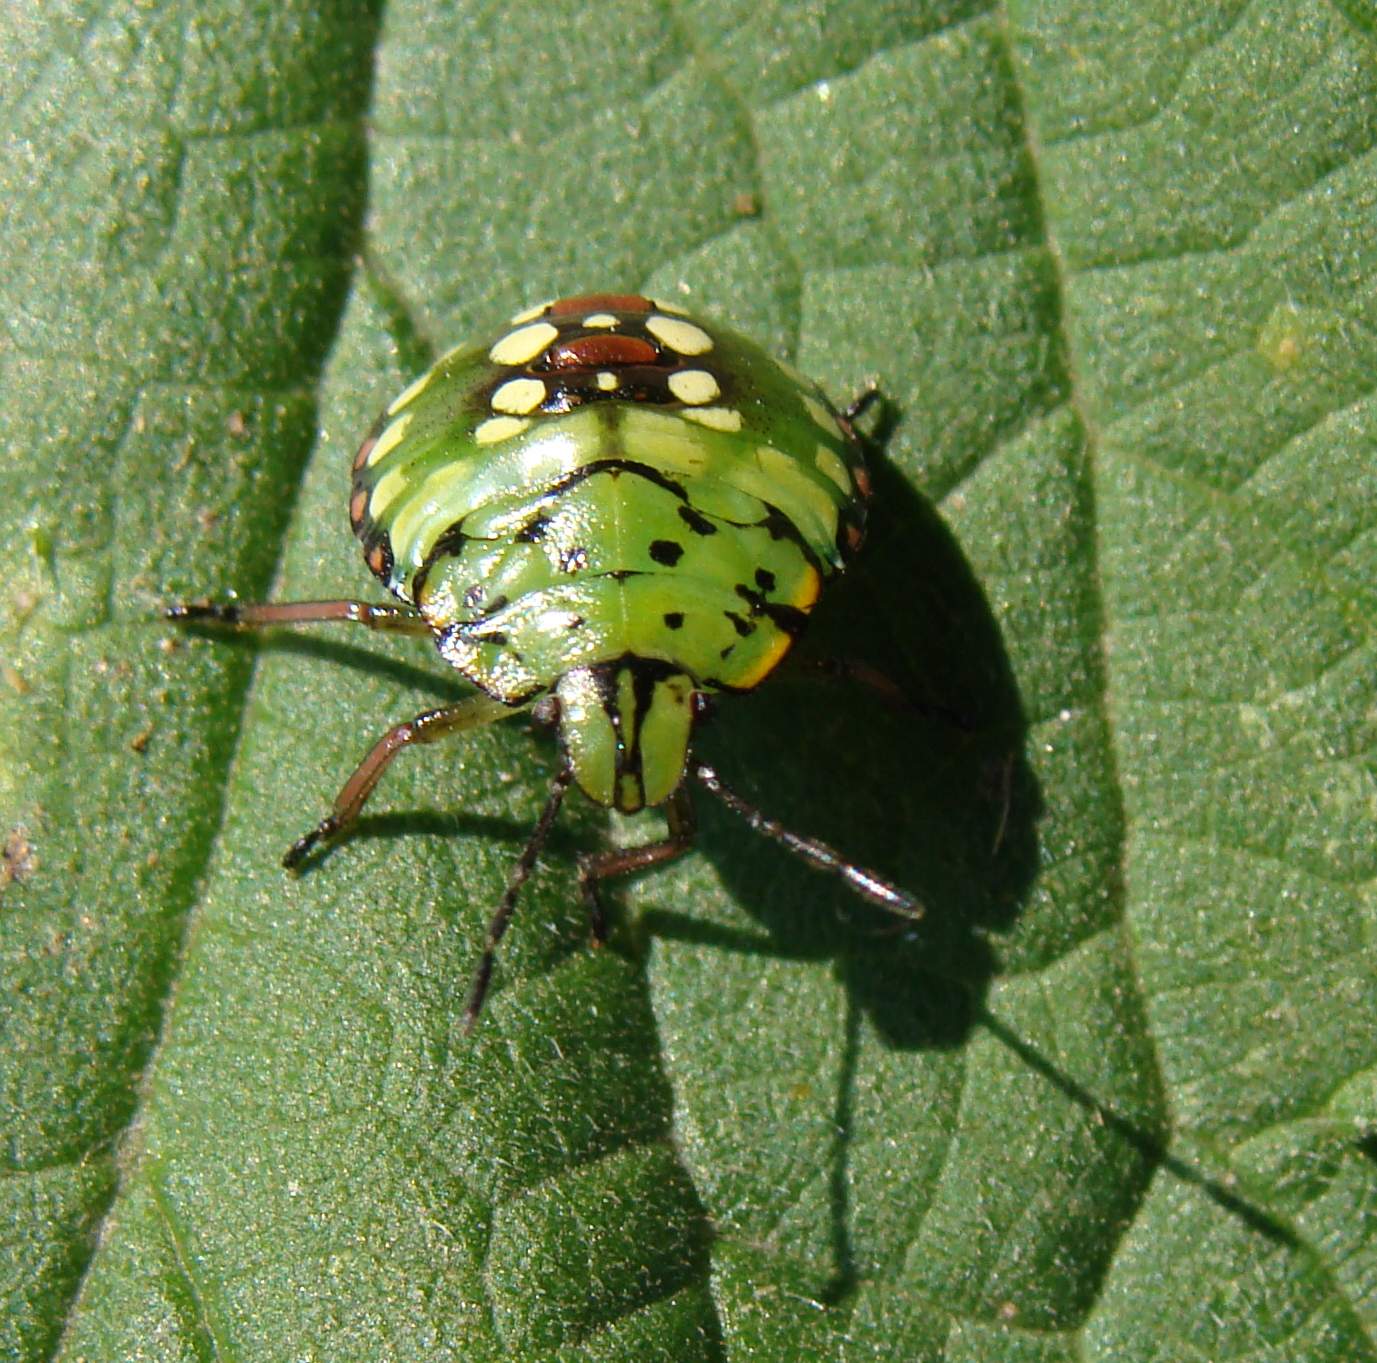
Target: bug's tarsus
<point>303,846</point>
<point>822,856</point>
<point>862,402</point>
<point>520,873</point>
<point>598,866</point>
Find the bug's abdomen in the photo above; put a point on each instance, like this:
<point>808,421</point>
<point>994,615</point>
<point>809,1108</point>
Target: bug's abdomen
<point>610,566</point>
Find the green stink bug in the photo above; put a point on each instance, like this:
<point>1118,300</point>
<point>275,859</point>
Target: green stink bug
<point>602,517</point>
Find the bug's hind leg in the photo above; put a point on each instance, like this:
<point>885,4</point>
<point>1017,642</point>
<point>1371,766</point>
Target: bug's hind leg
<point>879,684</point>
<point>262,615</point>
<point>598,866</point>
<point>425,728</point>
<point>818,854</point>
<point>521,872</point>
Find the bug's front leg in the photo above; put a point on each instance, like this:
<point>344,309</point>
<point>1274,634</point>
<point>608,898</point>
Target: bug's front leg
<point>425,728</point>
<point>262,615</point>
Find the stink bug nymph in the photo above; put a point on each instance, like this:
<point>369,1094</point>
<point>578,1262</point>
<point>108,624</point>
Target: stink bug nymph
<point>604,516</point>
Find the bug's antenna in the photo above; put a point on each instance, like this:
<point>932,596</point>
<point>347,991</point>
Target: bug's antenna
<point>525,864</point>
<point>817,853</point>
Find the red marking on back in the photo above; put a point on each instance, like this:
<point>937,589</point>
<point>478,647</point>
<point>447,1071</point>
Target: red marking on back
<point>600,302</point>
<point>862,476</point>
<point>358,505</point>
<point>601,350</point>
<point>854,537</point>
<point>361,458</point>
<point>377,559</point>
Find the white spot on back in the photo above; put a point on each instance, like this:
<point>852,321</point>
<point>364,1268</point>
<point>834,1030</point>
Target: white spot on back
<point>497,428</point>
<point>685,337</point>
<point>694,386</point>
<point>387,441</point>
<point>607,381</point>
<point>600,319</point>
<point>717,418</point>
<point>519,396</point>
<point>530,314</point>
<point>389,485</point>
<point>523,344</point>
<point>412,391</point>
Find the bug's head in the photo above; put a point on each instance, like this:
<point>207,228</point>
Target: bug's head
<point>625,727</point>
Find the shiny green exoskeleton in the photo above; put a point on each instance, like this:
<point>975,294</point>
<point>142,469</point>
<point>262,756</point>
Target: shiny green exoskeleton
<point>604,514</point>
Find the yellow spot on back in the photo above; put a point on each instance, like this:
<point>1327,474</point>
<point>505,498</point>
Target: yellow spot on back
<point>387,441</point>
<point>607,381</point>
<point>827,460</point>
<point>410,392</point>
<point>497,428</point>
<point>669,307</point>
<point>767,662</point>
<point>822,416</point>
<point>530,314</point>
<point>809,589</point>
<point>523,344</point>
<point>389,485</point>
<point>519,396</point>
<point>679,335</point>
<point>600,319</point>
<point>694,386</point>
<point>718,418</point>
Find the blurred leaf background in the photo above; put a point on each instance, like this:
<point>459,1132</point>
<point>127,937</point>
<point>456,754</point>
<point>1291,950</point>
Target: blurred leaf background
<point>1113,269</point>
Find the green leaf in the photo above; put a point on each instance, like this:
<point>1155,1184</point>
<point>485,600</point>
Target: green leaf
<point>1113,269</point>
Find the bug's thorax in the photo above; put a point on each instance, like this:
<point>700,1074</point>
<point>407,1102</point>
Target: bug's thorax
<point>625,728</point>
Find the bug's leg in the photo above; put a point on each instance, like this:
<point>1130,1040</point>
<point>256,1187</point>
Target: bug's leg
<point>521,872</point>
<point>425,728</point>
<point>880,684</point>
<point>393,619</point>
<point>814,851</point>
<point>863,400</point>
<point>597,866</point>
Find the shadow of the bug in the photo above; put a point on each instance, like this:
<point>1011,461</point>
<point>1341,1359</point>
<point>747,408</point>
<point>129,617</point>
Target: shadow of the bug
<point>938,798</point>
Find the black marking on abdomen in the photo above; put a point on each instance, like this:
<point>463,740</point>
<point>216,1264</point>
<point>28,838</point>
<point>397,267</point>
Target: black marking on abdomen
<point>698,523</point>
<point>615,466</point>
<point>534,529</point>
<point>789,619</point>
<point>666,552</point>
